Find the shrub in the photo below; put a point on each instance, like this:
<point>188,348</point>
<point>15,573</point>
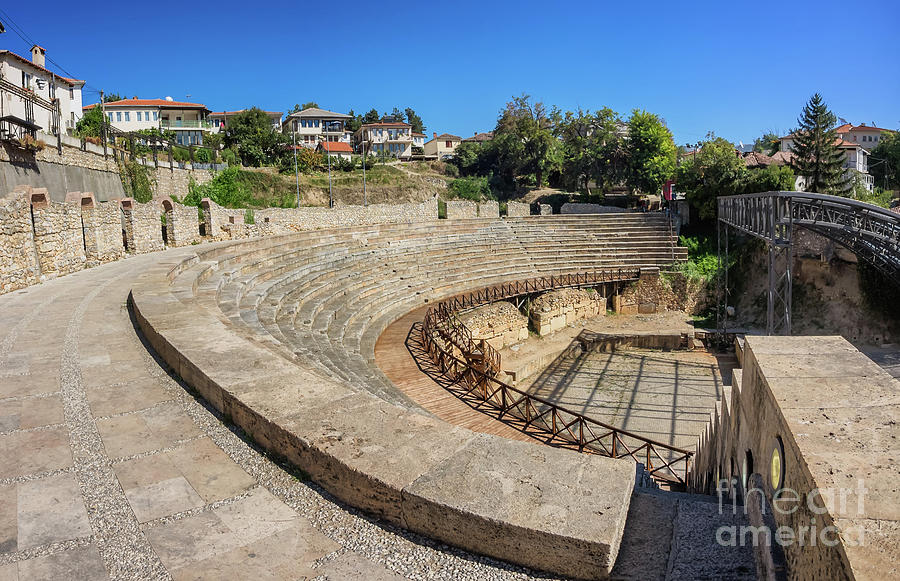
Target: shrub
<point>225,189</point>
<point>249,218</point>
<point>136,181</point>
<point>202,155</point>
<point>475,189</point>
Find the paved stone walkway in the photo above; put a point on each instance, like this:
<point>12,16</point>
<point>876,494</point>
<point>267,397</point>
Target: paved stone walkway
<point>109,468</point>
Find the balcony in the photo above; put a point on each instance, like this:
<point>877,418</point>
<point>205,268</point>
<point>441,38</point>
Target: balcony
<point>185,124</point>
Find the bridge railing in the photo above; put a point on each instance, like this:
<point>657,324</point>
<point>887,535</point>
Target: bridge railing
<point>443,336</point>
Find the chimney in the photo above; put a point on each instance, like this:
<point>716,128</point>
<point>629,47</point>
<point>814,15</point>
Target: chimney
<point>37,55</point>
<point>434,134</point>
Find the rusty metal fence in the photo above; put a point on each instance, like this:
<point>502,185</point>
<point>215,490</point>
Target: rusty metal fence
<point>474,364</point>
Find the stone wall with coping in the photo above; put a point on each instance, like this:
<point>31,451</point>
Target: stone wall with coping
<point>553,310</point>
<point>489,209</point>
<point>814,417</point>
<point>182,223</point>
<point>286,220</point>
<point>517,209</point>
<point>500,324</point>
<point>143,226</point>
<point>461,210</point>
<point>577,208</point>
<point>102,229</point>
<point>18,262</point>
<point>58,236</point>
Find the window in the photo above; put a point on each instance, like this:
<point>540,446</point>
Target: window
<point>127,116</point>
<point>449,144</point>
<point>155,115</point>
<point>110,117</point>
<point>119,116</point>
<point>71,94</point>
<point>138,115</point>
<point>317,122</point>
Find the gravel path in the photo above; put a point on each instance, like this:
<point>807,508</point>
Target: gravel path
<point>111,469</point>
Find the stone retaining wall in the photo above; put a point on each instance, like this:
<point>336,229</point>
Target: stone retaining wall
<point>18,263</point>
<point>489,209</point>
<point>552,311</point>
<point>102,224</point>
<point>517,209</point>
<point>58,237</point>
<point>576,208</point>
<point>461,210</point>
<point>287,220</point>
<point>143,226</point>
<point>500,324</point>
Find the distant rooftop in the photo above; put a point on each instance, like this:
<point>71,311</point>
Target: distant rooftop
<point>318,113</point>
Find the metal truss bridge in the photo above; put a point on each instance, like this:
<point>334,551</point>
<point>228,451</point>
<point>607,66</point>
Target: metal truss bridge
<point>870,232</point>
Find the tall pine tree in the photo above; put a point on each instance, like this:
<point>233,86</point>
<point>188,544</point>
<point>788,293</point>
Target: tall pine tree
<point>816,153</point>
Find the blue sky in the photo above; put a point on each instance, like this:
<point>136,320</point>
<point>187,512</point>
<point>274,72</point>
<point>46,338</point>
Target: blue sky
<point>736,68</point>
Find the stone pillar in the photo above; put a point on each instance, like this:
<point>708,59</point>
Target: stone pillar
<point>517,209</point>
<point>143,226</point>
<point>182,223</point>
<point>489,209</point>
<point>58,235</point>
<point>461,209</point>
<point>18,261</point>
<point>102,230</point>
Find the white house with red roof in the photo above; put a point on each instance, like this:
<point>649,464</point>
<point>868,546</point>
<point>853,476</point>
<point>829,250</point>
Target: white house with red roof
<point>442,145</point>
<point>392,138</point>
<point>28,93</point>
<point>866,135</point>
<point>339,149</point>
<point>856,160</point>
<point>219,119</point>
<point>187,120</point>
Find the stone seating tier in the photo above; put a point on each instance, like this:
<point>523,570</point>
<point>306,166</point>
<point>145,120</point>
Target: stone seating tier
<point>279,335</point>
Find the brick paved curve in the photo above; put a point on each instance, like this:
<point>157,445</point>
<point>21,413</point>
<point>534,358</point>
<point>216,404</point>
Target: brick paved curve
<point>109,468</point>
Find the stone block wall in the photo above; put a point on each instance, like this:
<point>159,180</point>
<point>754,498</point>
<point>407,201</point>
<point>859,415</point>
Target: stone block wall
<point>58,236</point>
<point>517,209</point>
<point>500,324</point>
<point>102,230</point>
<point>489,209</point>
<point>18,262</point>
<point>182,223</point>
<point>174,181</point>
<point>576,208</point>
<point>143,226</point>
<point>286,220</point>
<point>552,311</point>
<point>461,210</point>
<point>215,217</point>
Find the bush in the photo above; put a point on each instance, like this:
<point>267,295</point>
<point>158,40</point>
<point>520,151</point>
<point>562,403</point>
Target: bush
<point>475,189</point>
<point>249,218</point>
<point>229,157</point>
<point>202,155</point>
<point>136,181</point>
<point>225,189</point>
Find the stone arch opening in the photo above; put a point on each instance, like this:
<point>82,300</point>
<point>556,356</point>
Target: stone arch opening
<point>126,208</point>
<point>168,222</point>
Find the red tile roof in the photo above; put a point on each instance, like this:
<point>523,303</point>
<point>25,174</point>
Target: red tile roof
<point>336,146</point>
<point>67,80</point>
<point>223,113</point>
<point>149,103</point>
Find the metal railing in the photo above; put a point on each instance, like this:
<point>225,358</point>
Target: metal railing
<point>185,124</point>
<point>477,363</point>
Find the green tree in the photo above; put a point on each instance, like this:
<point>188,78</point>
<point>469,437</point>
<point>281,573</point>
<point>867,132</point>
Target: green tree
<point>309,105</point>
<point>767,144</point>
<point>90,123</point>
<point>608,149</point>
<point>714,170</point>
<point>251,133</point>
<point>371,117</point>
<point>576,132</point>
<point>816,154</point>
<point>530,125</point>
<point>295,109</point>
<point>884,163</point>
<point>651,152</point>
<point>774,178</point>
<point>111,97</point>
<point>354,123</point>
<point>413,119</point>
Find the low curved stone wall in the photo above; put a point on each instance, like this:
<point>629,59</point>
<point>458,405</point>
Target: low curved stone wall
<point>511,500</point>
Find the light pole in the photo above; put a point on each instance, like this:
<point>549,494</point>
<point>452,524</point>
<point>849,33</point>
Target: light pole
<point>328,154</point>
<point>365,195</point>
<point>296,172</point>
